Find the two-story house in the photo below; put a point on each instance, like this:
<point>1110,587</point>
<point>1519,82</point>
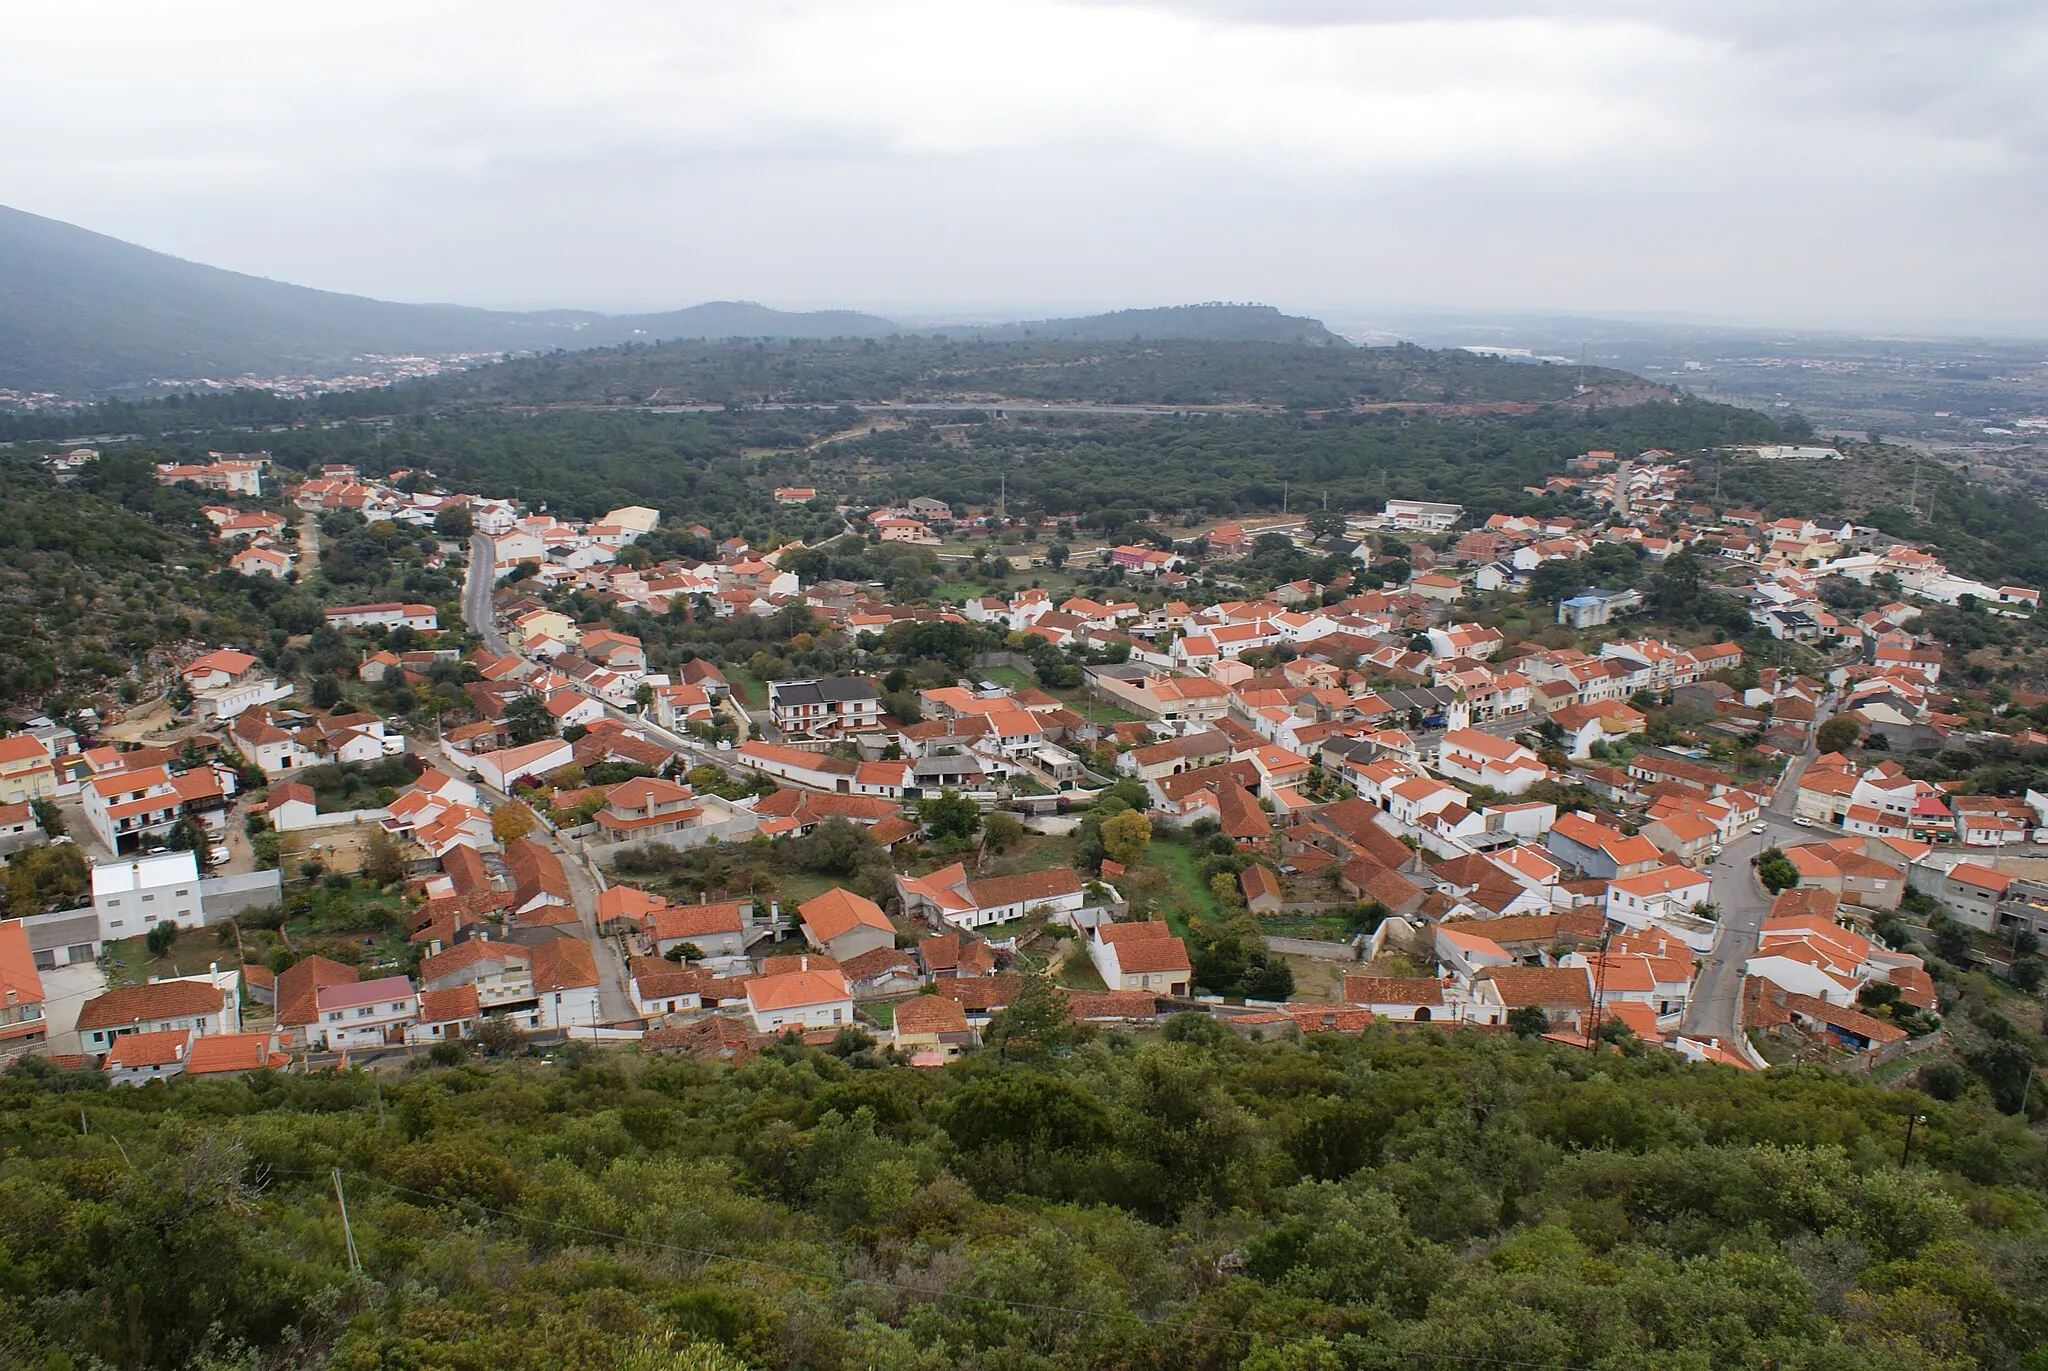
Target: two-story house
<point>823,708</point>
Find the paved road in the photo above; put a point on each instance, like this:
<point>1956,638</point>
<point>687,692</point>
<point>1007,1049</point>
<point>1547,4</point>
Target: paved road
<point>1744,904</point>
<point>613,1003</point>
<point>476,594</point>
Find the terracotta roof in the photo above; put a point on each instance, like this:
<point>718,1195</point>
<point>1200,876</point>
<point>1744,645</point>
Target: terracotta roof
<point>930,1014</point>
<point>875,961</point>
<point>18,975</point>
<point>445,1006</point>
<point>1416,990</point>
<point>981,992</point>
<point>1144,946</point>
<point>1026,886</point>
<point>145,1003</point>
<point>161,1048</point>
<point>697,920</point>
<point>537,871</point>
<point>795,988</point>
<point>216,1053</point>
<point>657,978</point>
<point>1544,928</point>
<point>839,911</point>
<point>1088,1005</point>
<point>298,987</point>
<point>1540,985</point>
<point>1258,882</point>
<point>563,964</point>
<point>1381,883</point>
<point>714,1037</point>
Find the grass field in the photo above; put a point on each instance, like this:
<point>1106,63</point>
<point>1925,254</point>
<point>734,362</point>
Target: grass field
<point>1306,926</point>
<point>1177,864</point>
<point>1033,852</point>
<point>883,1012</point>
<point>753,694</point>
<point>1078,973</point>
<point>1009,676</point>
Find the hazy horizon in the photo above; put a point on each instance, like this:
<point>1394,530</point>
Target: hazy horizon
<point>1825,167</point>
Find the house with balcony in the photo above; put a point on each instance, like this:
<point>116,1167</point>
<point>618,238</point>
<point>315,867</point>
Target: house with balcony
<point>361,1014</point>
<point>28,772</point>
<point>21,988</point>
<point>824,708</point>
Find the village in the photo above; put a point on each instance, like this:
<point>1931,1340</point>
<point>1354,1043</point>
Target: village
<point>1464,789</point>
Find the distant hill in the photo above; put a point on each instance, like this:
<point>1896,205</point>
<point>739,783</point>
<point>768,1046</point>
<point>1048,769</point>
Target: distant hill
<point>1178,323</point>
<point>85,314</point>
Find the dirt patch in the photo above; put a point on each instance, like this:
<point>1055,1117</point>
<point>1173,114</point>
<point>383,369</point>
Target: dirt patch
<point>1317,980</point>
<point>339,849</point>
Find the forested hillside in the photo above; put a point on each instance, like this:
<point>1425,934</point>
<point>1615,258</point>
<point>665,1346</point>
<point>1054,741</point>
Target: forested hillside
<point>1121,372</point>
<point>2000,535</point>
<point>1216,323</point>
<point>116,570</point>
<point>1386,1202</point>
<point>88,578</point>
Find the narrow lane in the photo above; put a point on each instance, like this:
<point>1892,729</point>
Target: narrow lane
<point>1744,904</point>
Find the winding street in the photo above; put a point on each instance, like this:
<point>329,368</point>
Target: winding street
<point>1713,1010</point>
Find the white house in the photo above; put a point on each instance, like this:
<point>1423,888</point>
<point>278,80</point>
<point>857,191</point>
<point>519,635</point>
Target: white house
<point>947,896</point>
<point>389,615</point>
<point>1427,516</point>
<point>505,769</point>
<point>225,682</point>
<point>565,983</point>
<point>363,1013</point>
<point>809,997</point>
<point>1140,956</point>
<point>132,896</point>
<point>1638,901</point>
<point>193,1004</point>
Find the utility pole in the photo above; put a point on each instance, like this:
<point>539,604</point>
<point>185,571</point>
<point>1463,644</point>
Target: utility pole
<point>1283,497</point>
<point>1599,997</point>
<point>348,1233</point>
<point>1911,1120</point>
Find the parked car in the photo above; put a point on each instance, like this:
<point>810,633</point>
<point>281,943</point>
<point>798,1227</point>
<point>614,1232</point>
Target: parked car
<point>1759,828</point>
<point>1802,822</point>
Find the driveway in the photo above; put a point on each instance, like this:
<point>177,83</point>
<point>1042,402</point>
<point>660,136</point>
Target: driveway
<point>65,991</point>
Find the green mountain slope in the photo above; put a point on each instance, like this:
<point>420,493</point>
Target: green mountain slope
<point>1196,323</point>
<point>85,314</point>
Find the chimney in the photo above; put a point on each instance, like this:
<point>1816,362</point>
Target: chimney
<point>434,947</point>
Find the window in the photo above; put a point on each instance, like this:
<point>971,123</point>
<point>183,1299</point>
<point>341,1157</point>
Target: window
<point>366,1011</point>
<point>149,899</point>
<point>114,904</point>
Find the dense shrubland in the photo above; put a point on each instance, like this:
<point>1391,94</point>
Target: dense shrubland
<point>1391,1201</point>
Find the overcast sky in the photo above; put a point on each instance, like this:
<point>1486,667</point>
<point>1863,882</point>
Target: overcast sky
<point>1818,162</point>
